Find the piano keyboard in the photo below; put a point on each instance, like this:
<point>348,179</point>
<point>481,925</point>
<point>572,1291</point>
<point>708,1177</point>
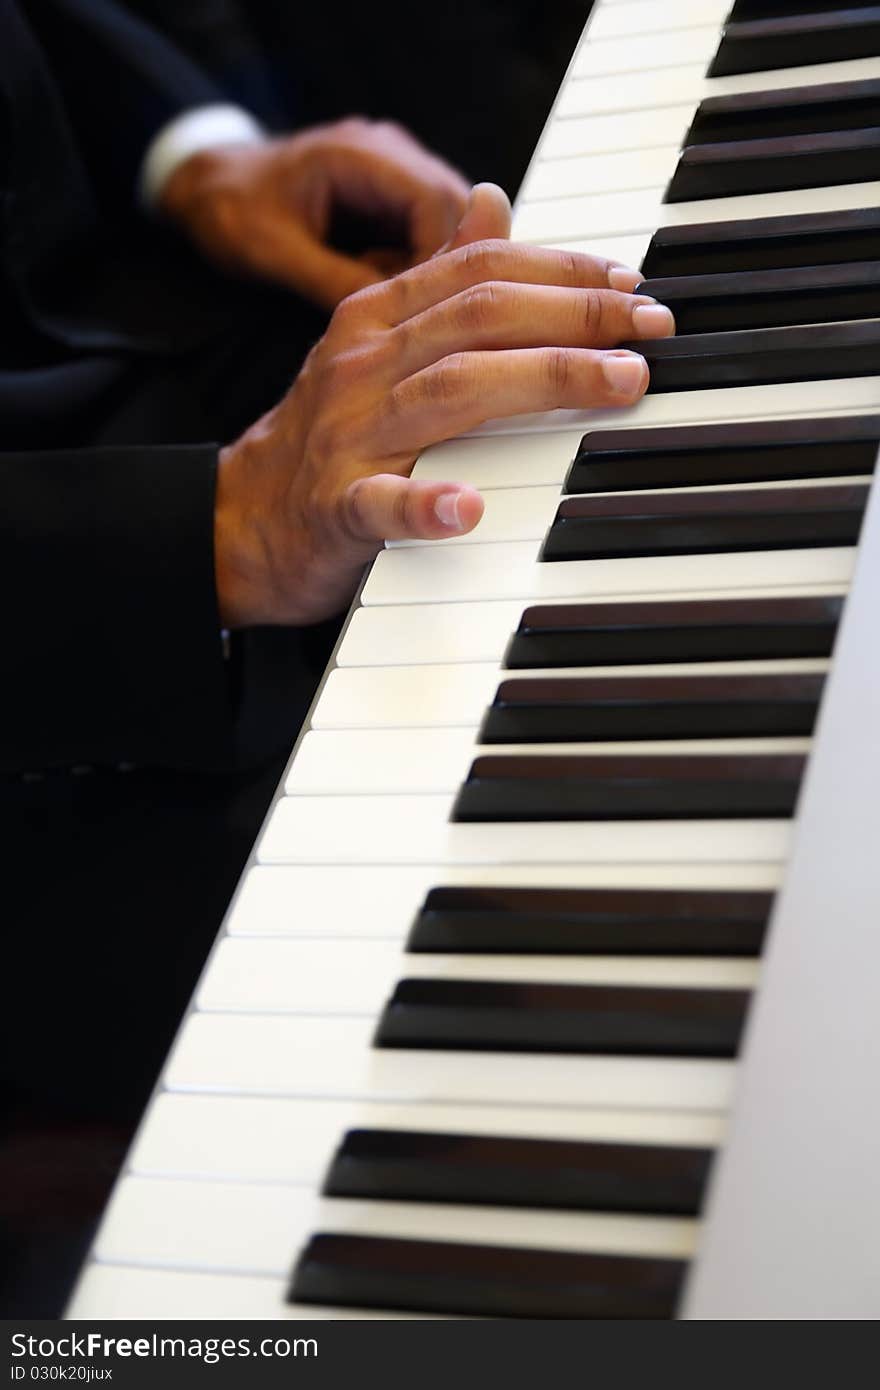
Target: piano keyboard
<point>469,1039</point>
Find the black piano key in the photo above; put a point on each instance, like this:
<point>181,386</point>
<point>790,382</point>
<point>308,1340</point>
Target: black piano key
<point>491,1016</point>
<point>652,787</point>
<point>691,455</point>
<point>797,40</point>
<point>775,165</point>
<point>620,634</point>
<point>596,709</point>
<point>769,298</point>
<point>589,921</point>
<point>766,243</point>
<point>482,1280</point>
<point>785,111</point>
<point>597,527</point>
<point>756,356</point>
<point>409,1166</point>
<point>768,9</point>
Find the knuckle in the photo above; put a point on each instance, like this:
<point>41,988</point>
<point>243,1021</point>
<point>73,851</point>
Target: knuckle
<point>559,367</point>
<point>482,259</point>
<point>592,313</point>
<point>448,381</point>
<point>479,305</point>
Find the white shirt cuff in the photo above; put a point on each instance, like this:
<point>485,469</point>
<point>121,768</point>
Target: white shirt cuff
<point>186,135</point>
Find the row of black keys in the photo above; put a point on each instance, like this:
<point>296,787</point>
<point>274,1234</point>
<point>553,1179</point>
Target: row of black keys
<point>777,141</point>
<point>657,1179</point>
<point>626,463</point>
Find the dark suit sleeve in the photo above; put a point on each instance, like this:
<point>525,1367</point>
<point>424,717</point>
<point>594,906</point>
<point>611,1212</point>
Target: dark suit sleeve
<point>121,78</point>
<point>110,645</point>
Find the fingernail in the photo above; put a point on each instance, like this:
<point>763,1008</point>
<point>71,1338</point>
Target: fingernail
<point>653,321</point>
<point>446,510</point>
<point>625,373</point>
<point>621,277</point>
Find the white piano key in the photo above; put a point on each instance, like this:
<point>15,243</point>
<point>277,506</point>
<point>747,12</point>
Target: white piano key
<point>364,901</point>
<point>429,633</point>
<point>635,52</point>
<point>687,82</point>
<point>356,978</point>
<point>613,21</point>
<point>621,131</point>
<point>417,830</point>
<point>410,697</point>
<point>113,1293</point>
<point>395,762</point>
<point>260,1230</point>
<point>284,1055</point>
<point>642,210</point>
<point>508,464</point>
<point>520,514</point>
<point>599,173</point>
<point>437,633</point>
<point>293,1141</point>
<point>480,572</point>
<point>512,514</point>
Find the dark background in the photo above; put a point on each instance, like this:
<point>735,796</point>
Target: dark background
<point>108,926</point>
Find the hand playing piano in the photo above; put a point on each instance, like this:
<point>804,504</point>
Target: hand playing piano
<point>326,211</point>
<point>307,496</point>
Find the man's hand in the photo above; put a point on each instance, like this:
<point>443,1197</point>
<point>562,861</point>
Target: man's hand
<point>309,493</point>
<point>269,209</point>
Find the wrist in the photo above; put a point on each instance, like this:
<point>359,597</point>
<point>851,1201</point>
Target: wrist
<point>240,568</point>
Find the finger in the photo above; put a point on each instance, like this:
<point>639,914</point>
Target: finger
<point>464,390</point>
<point>497,314</point>
<point>386,507</point>
<point>446,275</point>
<point>486,215</point>
<point>321,274</point>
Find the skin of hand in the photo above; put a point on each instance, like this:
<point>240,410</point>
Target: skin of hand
<point>307,496</point>
<point>267,209</point>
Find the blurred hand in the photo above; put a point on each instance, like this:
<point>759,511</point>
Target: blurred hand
<point>309,493</point>
<point>269,209</point>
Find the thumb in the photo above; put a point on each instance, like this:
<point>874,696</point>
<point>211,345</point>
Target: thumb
<point>386,507</point>
<point>317,271</point>
<point>486,216</point>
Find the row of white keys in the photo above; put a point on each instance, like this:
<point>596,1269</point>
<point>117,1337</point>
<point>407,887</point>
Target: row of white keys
<point>411,697</point>
<point>365,901</point>
<point>633,17</point>
<point>445,633</point>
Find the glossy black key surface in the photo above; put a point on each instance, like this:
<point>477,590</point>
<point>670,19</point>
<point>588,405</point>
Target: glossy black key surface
<point>769,298</point>
<point>398,1165</point>
<point>483,1280</point>
<point>620,634</point>
<point>764,243</point>
<point>768,9</point>
<point>762,356</point>
<point>690,455</point>
<point>589,921</point>
<point>595,709</point>
<point>489,1016</point>
<point>785,111</point>
<point>797,40</point>
<point>652,787</point>
<point>775,165</point>
<point>597,527</point>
